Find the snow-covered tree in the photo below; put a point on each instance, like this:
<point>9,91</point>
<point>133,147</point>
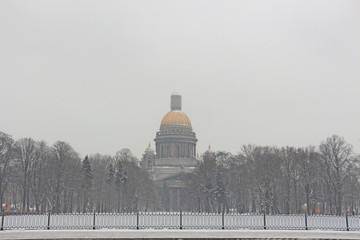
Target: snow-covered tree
<point>110,176</point>
<point>86,182</point>
<point>219,191</point>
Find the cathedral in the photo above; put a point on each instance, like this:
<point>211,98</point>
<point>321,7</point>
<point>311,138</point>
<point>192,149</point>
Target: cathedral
<point>174,155</point>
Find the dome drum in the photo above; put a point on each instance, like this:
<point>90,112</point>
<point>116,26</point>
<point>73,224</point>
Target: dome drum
<point>175,130</point>
<point>175,150</point>
<point>171,142</point>
<point>162,138</point>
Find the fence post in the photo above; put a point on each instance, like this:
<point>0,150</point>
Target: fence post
<point>94,220</point>
<point>347,223</point>
<point>264,221</point>
<point>137,220</point>
<point>48,225</point>
<point>223,220</point>
<point>2,220</point>
<point>306,225</point>
<point>180,220</point>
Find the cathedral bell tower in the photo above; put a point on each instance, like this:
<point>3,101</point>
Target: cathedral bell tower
<point>148,159</point>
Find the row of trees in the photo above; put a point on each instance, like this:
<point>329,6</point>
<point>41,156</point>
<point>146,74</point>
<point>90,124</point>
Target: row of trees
<point>267,179</point>
<point>259,179</point>
<point>38,177</point>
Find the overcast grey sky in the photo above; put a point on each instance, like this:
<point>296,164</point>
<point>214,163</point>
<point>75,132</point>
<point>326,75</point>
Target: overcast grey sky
<point>99,74</point>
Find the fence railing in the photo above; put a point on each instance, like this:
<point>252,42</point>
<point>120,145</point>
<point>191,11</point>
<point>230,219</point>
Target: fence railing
<point>178,220</point>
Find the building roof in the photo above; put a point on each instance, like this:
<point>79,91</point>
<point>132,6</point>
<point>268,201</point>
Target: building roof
<point>175,117</point>
<point>149,148</point>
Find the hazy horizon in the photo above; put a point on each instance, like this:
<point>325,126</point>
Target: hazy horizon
<point>99,75</point>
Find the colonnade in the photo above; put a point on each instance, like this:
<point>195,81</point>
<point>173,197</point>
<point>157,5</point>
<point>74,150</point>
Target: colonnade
<point>176,199</point>
<point>176,150</point>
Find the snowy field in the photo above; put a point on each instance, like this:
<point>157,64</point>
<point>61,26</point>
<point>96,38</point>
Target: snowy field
<point>175,220</point>
<point>178,234</point>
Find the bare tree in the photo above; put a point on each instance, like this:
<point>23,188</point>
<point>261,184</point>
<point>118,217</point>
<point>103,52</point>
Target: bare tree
<point>25,157</point>
<point>6,150</point>
<point>125,155</point>
<point>102,187</point>
<point>66,177</point>
<point>289,175</point>
<point>339,159</point>
<point>39,184</point>
<point>259,179</point>
<point>309,175</point>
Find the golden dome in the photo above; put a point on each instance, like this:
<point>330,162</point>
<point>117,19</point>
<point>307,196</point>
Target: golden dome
<point>175,117</point>
<point>209,150</point>
<point>149,148</point>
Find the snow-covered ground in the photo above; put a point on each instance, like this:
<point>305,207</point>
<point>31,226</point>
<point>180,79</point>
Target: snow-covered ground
<point>187,221</point>
<point>177,234</point>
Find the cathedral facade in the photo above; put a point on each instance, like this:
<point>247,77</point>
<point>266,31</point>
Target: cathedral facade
<point>174,155</point>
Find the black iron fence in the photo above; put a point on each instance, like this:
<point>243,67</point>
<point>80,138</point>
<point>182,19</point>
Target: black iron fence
<point>178,220</point>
